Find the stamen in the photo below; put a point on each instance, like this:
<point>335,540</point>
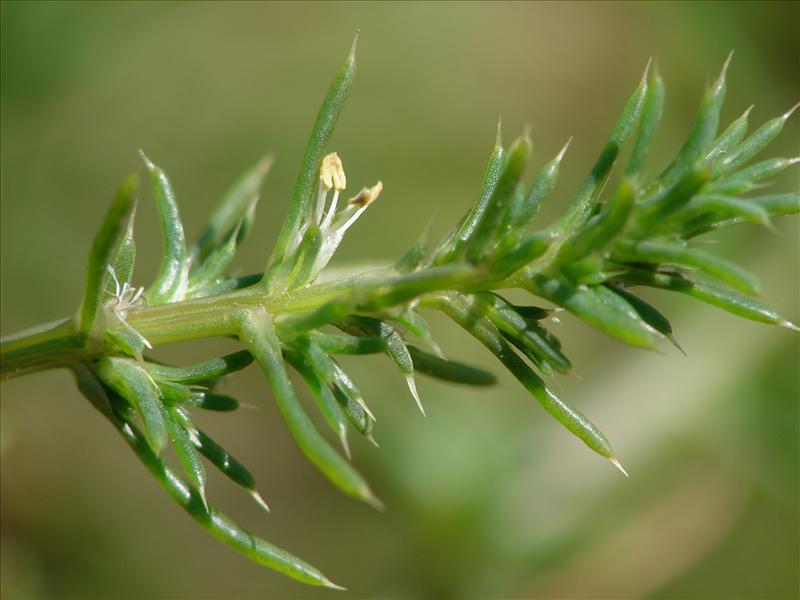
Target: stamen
<point>331,173</point>
<point>361,201</point>
<point>331,177</point>
<point>336,224</point>
<point>322,198</point>
<point>331,211</point>
<point>137,296</point>
<point>116,281</point>
<point>366,196</point>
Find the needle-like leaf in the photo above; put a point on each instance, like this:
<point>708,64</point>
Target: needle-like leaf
<point>106,246</point>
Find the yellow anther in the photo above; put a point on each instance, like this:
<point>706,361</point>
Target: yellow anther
<point>331,173</point>
<point>366,196</point>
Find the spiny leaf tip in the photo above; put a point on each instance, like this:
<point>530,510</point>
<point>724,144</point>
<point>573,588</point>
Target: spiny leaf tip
<point>351,57</point>
<point>788,325</point>
<point>619,466</point>
<point>563,150</point>
<point>333,586</point>
<point>259,500</point>
<point>646,73</point>
<point>724,72</point>
<point>789,112</point>
<point>147,162</point>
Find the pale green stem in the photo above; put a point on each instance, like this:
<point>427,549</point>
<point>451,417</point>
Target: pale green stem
<point>58,344</point>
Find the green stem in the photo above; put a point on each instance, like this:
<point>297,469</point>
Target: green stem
<point>59,344</point>
<point>47,346</point>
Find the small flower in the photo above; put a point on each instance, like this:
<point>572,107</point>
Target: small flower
<point>331,177</point>
<point>332,224</point>
<point>125,296</point>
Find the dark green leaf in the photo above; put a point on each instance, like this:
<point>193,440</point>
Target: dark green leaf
<point>657,253</point>
<point>204,371</point>
<point>600,308</point>
<point>528,335</point>
<point>724,298</point>
<point>449,370</point>
<point>349,344</point>
<point>487,334</point>
<point>226,463</point>
<point>215,402</point>
<point>650,315</point>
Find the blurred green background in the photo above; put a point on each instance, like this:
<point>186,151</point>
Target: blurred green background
<point>487,497</point>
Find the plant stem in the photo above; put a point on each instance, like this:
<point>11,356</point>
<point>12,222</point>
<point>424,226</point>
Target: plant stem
<point>47,346</point>
<point>58,344</point>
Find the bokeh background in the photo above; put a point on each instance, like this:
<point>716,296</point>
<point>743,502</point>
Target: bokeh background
<point>487,497</point>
